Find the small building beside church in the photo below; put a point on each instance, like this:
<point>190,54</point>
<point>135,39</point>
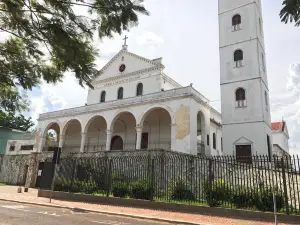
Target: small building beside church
<point>280,139</point>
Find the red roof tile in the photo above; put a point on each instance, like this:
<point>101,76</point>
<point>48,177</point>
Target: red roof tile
<point>277,126</point>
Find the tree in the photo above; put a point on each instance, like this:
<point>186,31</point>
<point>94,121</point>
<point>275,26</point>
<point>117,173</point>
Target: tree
<point>290,12</point>
<point>18,122</point>
<point>48,38</point>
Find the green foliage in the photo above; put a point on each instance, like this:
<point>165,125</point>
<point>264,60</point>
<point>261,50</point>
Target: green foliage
<point>244,197</point>
<point>142,190</point>
<point>18,122</point>
<point>290,12</point>
<point>48,38</point>
<point>87,187</point>
<point>180,192</point>
<point>264,200</point>
<point>120,189</point>
<point>216,192</point>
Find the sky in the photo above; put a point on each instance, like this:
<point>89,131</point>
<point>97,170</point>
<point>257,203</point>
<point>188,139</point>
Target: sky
<point>186,35</point>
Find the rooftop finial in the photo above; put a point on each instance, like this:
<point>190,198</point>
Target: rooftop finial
<point>125,43</point>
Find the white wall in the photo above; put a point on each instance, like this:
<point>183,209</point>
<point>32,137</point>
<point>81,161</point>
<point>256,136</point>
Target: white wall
<point>281,139</point>
<point>225,5</point>
<point>151,84</point>
<point>251,131</point>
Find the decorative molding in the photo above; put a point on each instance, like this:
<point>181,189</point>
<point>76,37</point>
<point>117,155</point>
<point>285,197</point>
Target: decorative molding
<point>171,81</point>
<point>144,99</point>
<point>122,76</point>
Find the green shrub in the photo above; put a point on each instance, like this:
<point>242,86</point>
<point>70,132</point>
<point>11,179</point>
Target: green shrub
<point>61,185</point>
<point>216,192</point>
<point>265,202</point>
<point>120,189</point>
<point>142,190</point>
<point>243,197</point>
<point>180,192</point>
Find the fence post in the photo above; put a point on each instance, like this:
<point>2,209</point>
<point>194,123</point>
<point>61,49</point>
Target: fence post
<point>74,172</point>
<point>152,178</point>
<point>109,177</point>
<point>286,199</point>
<point>210,178</point>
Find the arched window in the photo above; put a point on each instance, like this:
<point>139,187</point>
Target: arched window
<point>139,89</point>
<point>214,141</point>
<point>236,22</point>
<point>103,95</point>
<point>120,93</point>
<point>240,97</point>
<point>238,58</point>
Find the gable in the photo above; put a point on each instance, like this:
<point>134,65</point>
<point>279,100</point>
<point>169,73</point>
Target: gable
<point>242,141</point>
<point>132,62</point>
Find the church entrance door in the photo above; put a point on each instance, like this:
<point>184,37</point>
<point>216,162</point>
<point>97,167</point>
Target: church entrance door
<point>116,143</point>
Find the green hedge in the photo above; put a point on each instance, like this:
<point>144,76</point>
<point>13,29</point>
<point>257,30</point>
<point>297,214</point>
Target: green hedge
<point>142,190</point>
<point>120,189</point>
<point>181,193</point>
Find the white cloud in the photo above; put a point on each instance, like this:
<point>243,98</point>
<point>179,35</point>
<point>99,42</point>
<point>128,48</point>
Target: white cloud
<point>149,39</point>
<point>66,94</point>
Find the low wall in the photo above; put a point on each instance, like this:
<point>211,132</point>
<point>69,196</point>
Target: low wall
<point>220,212</point>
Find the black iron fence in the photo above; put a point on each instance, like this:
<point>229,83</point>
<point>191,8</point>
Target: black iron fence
<point>217,181</point>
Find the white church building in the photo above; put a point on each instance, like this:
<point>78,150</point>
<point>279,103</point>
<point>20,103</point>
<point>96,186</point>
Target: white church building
<point>135,105</point>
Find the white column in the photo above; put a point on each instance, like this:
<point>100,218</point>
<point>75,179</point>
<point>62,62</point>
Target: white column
<point>139,131</point>
<point>61,141</point>
<point>108,139</point>
<point>173,137</point>
<point>41,144</point>
<point>83,138</point>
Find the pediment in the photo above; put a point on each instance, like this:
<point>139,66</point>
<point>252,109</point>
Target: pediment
<point>132,64</point>
<point>242,141</point>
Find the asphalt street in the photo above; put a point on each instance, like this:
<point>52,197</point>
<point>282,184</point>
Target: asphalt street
<point>23,214</point>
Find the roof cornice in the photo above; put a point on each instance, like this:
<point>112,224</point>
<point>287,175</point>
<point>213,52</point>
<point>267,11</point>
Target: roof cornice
<point>154,68</point>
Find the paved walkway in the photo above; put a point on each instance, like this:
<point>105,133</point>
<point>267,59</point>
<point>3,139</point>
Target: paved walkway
<point>10,193</point>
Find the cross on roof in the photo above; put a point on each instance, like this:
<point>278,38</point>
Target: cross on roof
<point>125,40</point>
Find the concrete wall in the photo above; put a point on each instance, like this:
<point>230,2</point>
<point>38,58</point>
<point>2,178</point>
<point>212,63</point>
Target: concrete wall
<point>18,144</point>
<point>281,139</point>
<point>11,134</point>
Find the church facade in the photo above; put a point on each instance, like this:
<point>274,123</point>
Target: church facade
<point>135,105</point>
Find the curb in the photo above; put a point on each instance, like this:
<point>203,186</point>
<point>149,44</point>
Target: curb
<point>105,212</point>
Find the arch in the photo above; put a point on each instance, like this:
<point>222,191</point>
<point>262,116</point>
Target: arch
<point>116,143</point>
<point>90,120</point>
<point>68,123</point>
<point>96,135</point>
<point>117,115</point>
<point>48,143</point>
<point>238,55</point>
<point>139,89</point>
<point>236,19</point>
<point>43,133</point>
<point>103,95</point>
<point>152,108</point>
<point>120,93</point>
<point>240,94</point>
<point>156,126</point>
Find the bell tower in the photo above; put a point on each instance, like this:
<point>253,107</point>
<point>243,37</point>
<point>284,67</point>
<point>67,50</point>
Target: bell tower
<point>244,85</point>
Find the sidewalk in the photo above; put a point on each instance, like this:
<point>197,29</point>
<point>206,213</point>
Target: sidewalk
<point>10,193</point>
